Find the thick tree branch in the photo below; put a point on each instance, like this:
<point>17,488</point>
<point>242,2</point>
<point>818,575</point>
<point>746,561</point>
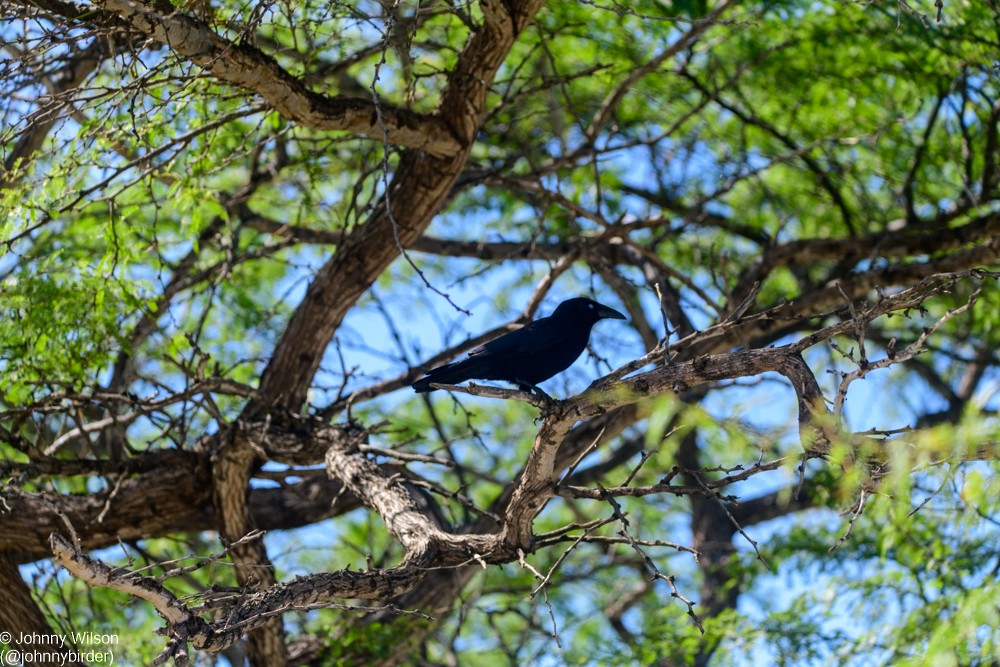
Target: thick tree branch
<point>762,328</point>
<point>419,187</point>
<point>231,472</point>
<point>891,244</point>
<point>245,66</point>
<point>21,617</point>
<point>173,497</point>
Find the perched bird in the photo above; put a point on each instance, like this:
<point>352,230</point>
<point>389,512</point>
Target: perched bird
<point>529,355</point>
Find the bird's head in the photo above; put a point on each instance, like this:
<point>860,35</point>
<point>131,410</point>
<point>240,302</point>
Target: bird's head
<point>585,310</point>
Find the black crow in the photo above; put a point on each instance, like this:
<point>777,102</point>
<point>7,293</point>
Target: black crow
<point>529,355</point>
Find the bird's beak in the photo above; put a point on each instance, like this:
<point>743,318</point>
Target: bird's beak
<point>604,313</point>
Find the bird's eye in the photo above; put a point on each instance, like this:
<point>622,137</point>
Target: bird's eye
<point>590,305</point>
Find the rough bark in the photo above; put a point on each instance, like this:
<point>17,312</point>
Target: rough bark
<point>21,617</point>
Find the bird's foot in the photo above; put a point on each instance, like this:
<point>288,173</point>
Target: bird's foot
<point>547,401</point>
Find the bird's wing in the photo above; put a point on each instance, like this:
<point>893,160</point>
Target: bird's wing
<point>532,339</point>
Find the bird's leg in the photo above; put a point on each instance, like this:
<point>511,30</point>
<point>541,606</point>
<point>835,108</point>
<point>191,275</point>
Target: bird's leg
<point>531,388</point>
<point>535,389</point>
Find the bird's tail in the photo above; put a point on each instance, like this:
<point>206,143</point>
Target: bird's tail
<point>448,374</point>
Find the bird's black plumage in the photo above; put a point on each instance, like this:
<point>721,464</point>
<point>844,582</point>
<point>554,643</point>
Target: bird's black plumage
<point>529,355</point>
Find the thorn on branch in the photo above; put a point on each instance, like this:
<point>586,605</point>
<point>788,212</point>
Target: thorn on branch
<point>729,515</point>
<point>650,565</point>
<point>856,514</point>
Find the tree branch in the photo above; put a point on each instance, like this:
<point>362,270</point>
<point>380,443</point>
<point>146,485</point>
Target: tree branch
<point>419,187</point>
<point>245,66</point>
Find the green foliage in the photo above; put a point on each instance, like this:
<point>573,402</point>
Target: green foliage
<point>785,120</point>
<point>917,573</point>
<point>59,327</point>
